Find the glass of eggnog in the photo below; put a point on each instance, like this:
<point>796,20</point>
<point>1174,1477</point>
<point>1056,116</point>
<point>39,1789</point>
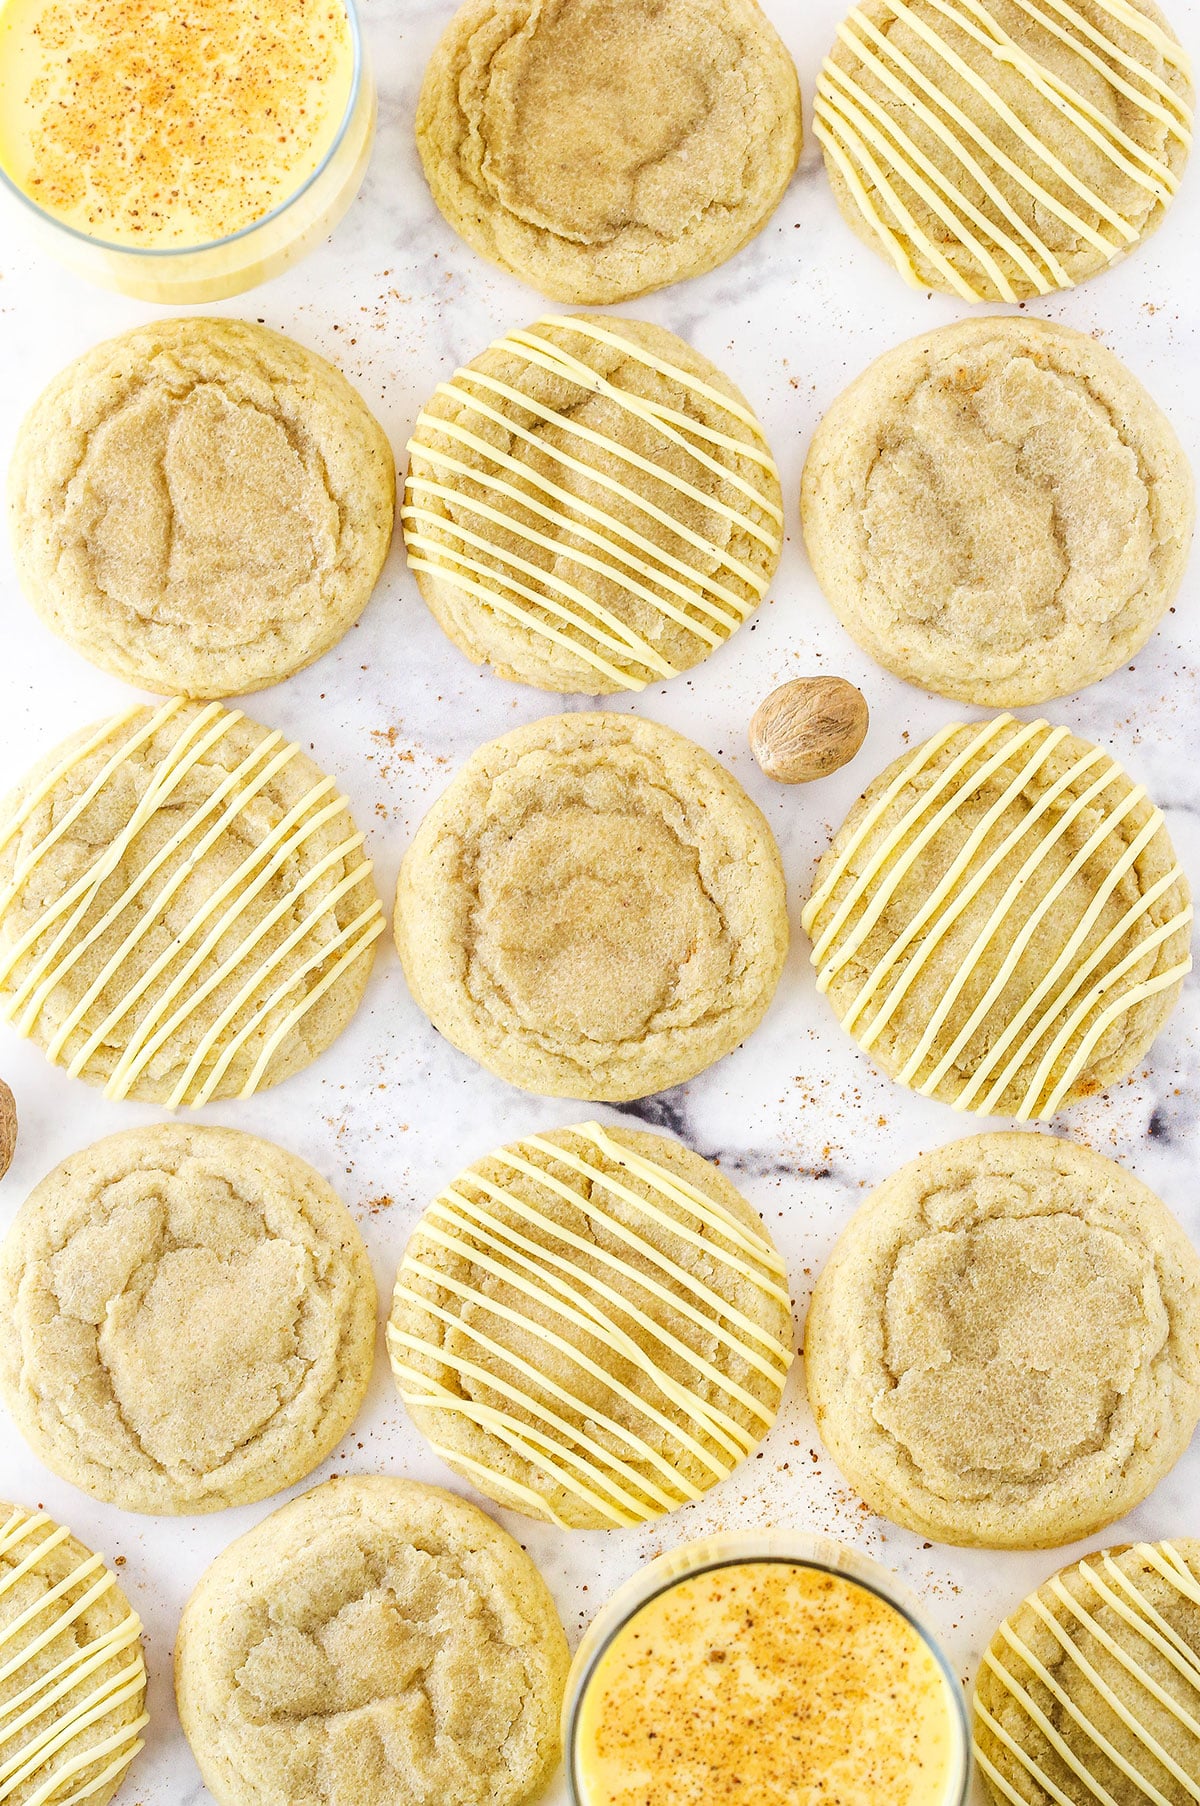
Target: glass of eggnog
<point>772,1667</point>
<point>182,150</point>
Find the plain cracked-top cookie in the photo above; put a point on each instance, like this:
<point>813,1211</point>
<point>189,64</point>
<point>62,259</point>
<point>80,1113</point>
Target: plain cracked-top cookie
<point>373,1642</point>
<point>1001,921</point>
<point>998,149</point>
<point>601,148</point>
<point>998,511</point>
<point>187,1319</point>
<point>592,1326</point>
<point>201,506</point>
<point>593,908</point>
<point>591,506</point>
<point>1090,1689</point>
<point>72,1677</point>
<point>1004,1348</point>
<point>185,908</point>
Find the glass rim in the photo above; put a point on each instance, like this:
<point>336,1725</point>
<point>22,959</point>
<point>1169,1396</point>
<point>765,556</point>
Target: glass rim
<point>751,1549</point>
<point>165,252</point>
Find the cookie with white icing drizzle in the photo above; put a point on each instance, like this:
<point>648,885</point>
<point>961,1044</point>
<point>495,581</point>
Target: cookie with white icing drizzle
<point>1090,1690</point>
<point>72,1677</point>
<point>592,1326</point>
<point>1001,921</point>
<point>591,506</point>
<point>999,149</point>
<point>186,911</point>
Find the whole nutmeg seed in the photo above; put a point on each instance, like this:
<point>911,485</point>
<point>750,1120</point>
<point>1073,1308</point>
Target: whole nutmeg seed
<point>8,1127</point>
<point>807,728</point>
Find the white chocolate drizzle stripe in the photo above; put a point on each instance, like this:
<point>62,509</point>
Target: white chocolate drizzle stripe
<point>1067,101</point>
<point>885,73</point>
<point>1027,1762</point>
<point>1137,21</point>
<point>537,1505</point>
<point>104,732</point>
<point>878,808</point>
<point>373,917</point>
<point>471,1295</point>
<point>52,1752</point>
<point>167,777</point>
<point>496,1383</point>
<point>567,1298</point>
<point>640,503</point>
<point>913,159</point>
<point>580,530</point>
<point>1043,1095</point>
<point>558,1232</point>
<point>904,860</point>
<point>174,881</point>
<point>1062,964</point>
<point>1016,124</point>
<point>1121,1656</point>
<point>968,892</point>
<point>560,363</point>
<point>1059,1743</point>
<point>1174,114</point>
<point>706,1210</point>
<point>926,799</point>
<point>560,1301</point>
<point>591,329</point>
<point>1059,1003</point>
<point>1146,1622</point>
<point>844,115</point>
<point>615,530</point>
<point>32,859</point>
<point>48,969</point>
<point>619,637</point>
<point>441,549</point>
<point>999,916</point>
<point>525,1440</point>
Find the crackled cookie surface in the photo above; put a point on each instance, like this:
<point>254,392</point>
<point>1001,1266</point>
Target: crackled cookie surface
<point>201,506</point>
<point>72,1681</point>
<point>185,909</point>
<point>602,148</point>
<point>997,149</point>
<point>1004,1349</point>
<point>594,908</point>
<point>374,1641</point>
<point>591,506</point>
<point>592,1325</point>
<point>187,1319</point>
<point>998,511</point>
<point>1088,1690</point>
<point>1001,921</point>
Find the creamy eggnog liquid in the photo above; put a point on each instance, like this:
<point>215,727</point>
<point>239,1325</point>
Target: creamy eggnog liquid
<point>767,1684</point>
<point>169,123</point>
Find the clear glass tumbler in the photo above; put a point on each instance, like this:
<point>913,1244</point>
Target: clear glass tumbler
<point>735,1549</point>
<point>179,275</point>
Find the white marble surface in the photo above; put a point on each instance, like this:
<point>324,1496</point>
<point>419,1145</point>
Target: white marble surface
<point>797,1117</point>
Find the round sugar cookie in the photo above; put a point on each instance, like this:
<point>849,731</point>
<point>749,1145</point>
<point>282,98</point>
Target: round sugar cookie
<point>592,1326</point>
<point>373,1641</point>
<point>1001,921</point>
<point>185,908</point>
<point>201,506</point>
<point>593,908</point>
<point>1004,1348</point>
<point>998,511</point>
<point>601,148</point>
<point>591,506</point>
<point>187,1319</point>
<point>1088,1690</point>
<point>73,1681</point>
<point>998,149</point>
